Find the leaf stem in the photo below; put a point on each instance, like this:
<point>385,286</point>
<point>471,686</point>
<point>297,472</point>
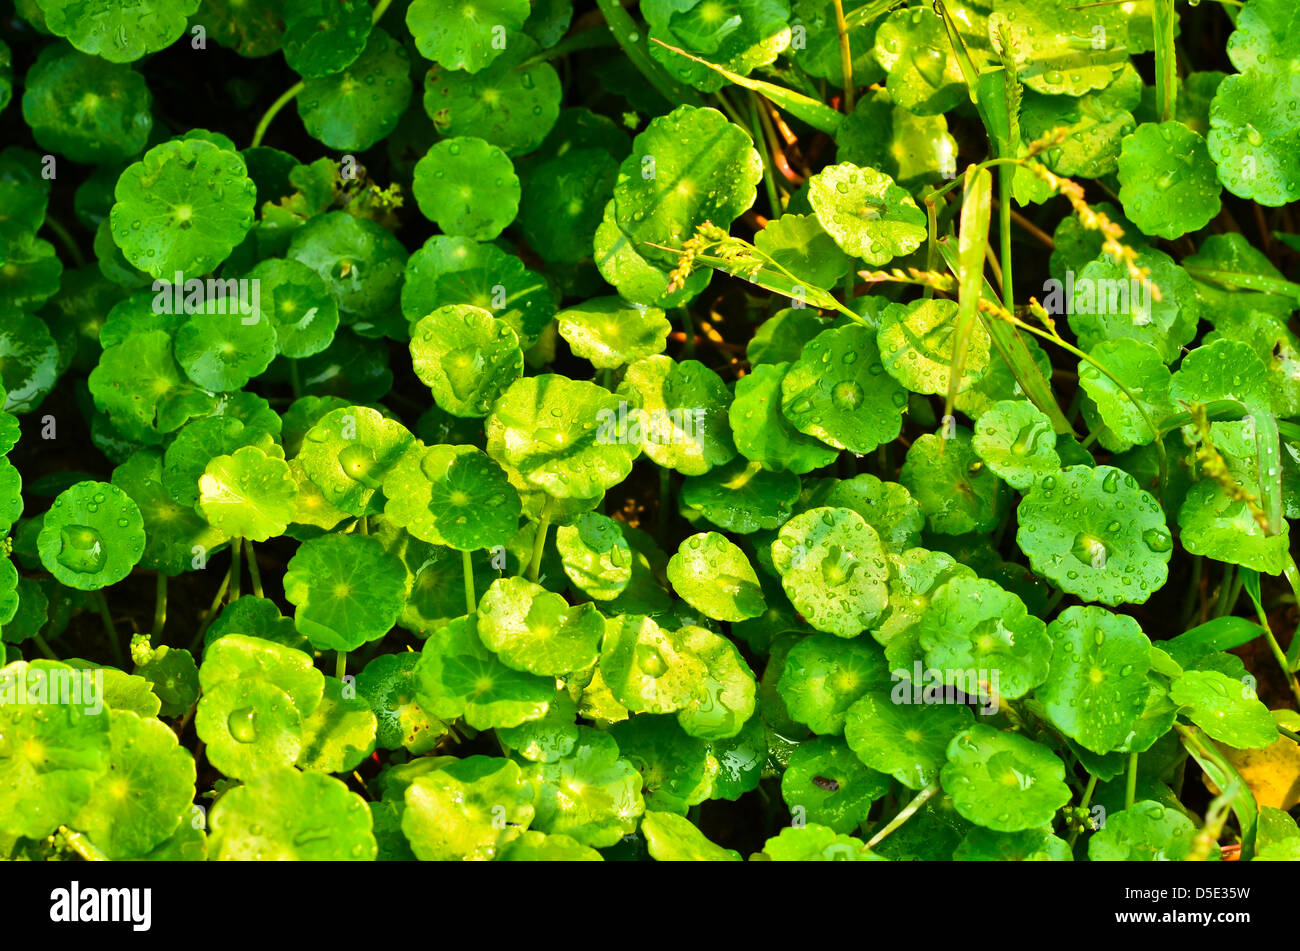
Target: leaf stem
<point>253,569</point>
<point>267,117</point>
<point>539,542</point>
<point>1083,804</point>
<point>114,643</point>
<point>765,154</point>
<point>1130,785</point>
<point>1162,13</point>
<point>846,55</point>
<point>1225,590</point>
<point>471,600</point>
<point>65,237</point>
<point>212,613</point>
<point>159,607</point>
<point>665,492</point>
<point>380,9</point>
<point>634,45</point>
<point>907,812</point>
<point>340,664</point>
<point>1293,578</point>
<point>236,548</point>
<point>81,845</point>
<point>44,647</point>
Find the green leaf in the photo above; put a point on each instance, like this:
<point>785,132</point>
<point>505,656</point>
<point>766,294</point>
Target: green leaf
<point>958,494</point>
<point>249,494</point>
<point>868,215</point>
<point>362,104</point>
<point>360,262</point>
<point>742,496</point>
<point>249,727</point>
<point>674,838</point>
<point>1016,441</point>
<point>85,108</point>
<point>649,669</point>
<point>468,187</point>
<point>51,754</point>
<point>182,208</point>
<point>908,742</point>
<point>1254,134</point>
<point>801,245</point>
<point>1003,781</point>
<point>146,791</point>
<point>349,452</point>
<point>1096,534</point>
<point>715,577</point>
<point>837,392</point>
<point>1097,689</point>
<point>610,332</point>
<point>741,36</point>
<point>689,167</point>
<point>119,31</point>
<point>347,590</point>
<point>924,75</point>
<point>677,770</point>
<point>92,536</point>
<point>1031,845</point>
<point>833,569</point>
<point>680,417</point>
<point>593,795</point>
<point>466,357</point>
<point>595,555</point>
<point>548,427</point>
<point>388,686</point>
<point>1226,709</point>
<point>297,304</point>
<point>464,37</point>
<point>324,36</point>
<point>816,843</point>
<point>1108,304</point>
<point>532,629</point>
<point>1140,368</point>
<point>282,814</point>
<point>240,658</point>
<point>761,430</point>
<point>511,103</point>
<point>826,784</point>
<point>915,575</point>
<point>340,733</point>
<point>1167,180</point>
<point>824,677</point>
<point>976,627</point>
<point>458,676</point>
<point>1145,832</point>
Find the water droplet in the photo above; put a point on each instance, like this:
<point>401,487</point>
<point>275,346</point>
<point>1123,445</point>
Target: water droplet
<point>242,724</point>
<point>81,549</point>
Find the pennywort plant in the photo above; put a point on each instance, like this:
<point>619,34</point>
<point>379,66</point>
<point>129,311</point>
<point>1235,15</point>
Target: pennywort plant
<point>527,430</point>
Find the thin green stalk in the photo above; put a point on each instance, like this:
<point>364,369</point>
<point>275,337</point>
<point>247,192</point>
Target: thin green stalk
<point>665,493</point>
<point>539,542</point>
<point>380,8</point>
<point>1225,591</point>
<point>269,116</point>
<point>907,812</point>
<point>729,109</point>
<point>1293,578</point>
<point>236,548</point>
<point>44,647</point>
<point>595,38</point>
<point>688,328</point>
<point>212,612</point>
<point>78,842</point>
<point>294,379</point>
<point>1005,175</point>
<point>846,55</point>
<point>340,664</point>
<point>159,607</point>
<point>471,600</point>
<point>632,39</point>
<point>1275,648</point>
<point>765,154</point>
<point>1130,786</point>
<point>66,239</point>
<point>1166,59</point>
<point>253,569</point>
<point>1193,589</point>
<point>114,642</point>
